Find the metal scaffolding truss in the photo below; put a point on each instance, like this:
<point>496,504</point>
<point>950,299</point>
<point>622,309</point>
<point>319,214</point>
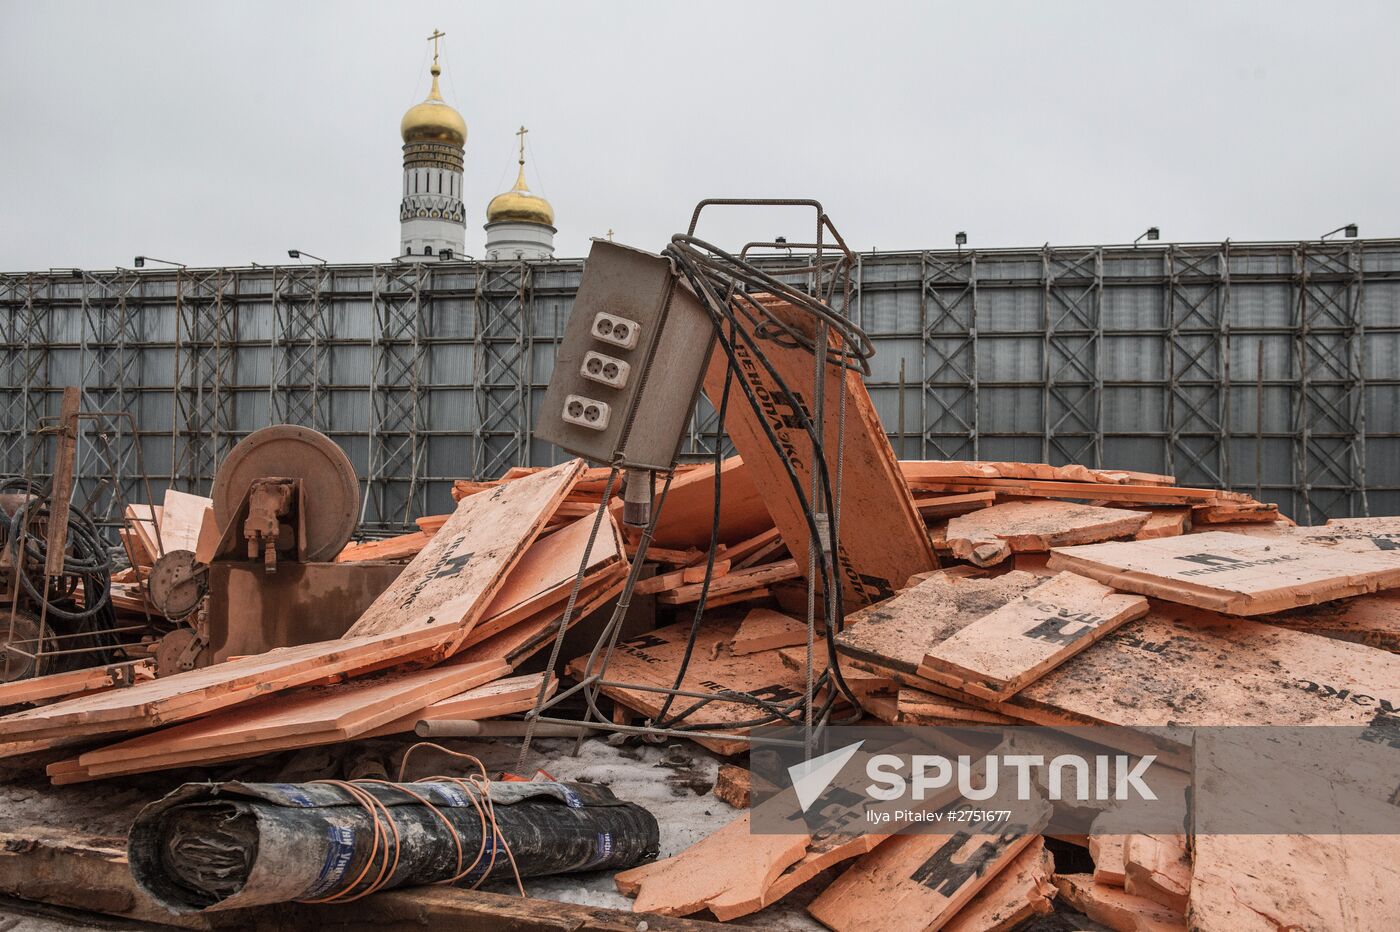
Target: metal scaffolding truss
<point>27,328</point>
<point>950,403</point>
<point>504,308</point>
<point>1197,365</point>
<point>111,353</point>
<point>1072,384</point>
<point>206,327</point>
<point>1103,355</point>
<point>301,333</point>
<point>1330,399</point>
<point>398,423</point>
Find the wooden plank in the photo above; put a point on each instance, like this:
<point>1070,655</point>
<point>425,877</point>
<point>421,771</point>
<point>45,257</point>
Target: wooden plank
<point>688,575</point>
<point>207,544</point>
<point>73,682</point>
<point>1258,883</point>
<point>1112,907</point>
<point>502,697</point>
<point>909,706</point>
<point>1158,868</point>
<point>989,536</point>
<point>521,640</point>
<point>547,570</point>
<point>1373,620</point>
<point>1358,535</point>
<point>934,507</point>
<point>61,488</point>
<point>923,470</point>
<point>145,520</point>
<point>182,515</point>
<point>686,515</point>
<point>1231,573</point>
<point>1087,491</point>
<point>731,865</point>
<point>1165,522</point>
<point>1183,666</point>
<point>755,577</point>
<point>1107,852</point>
<point>900,632</point>
<point>463,566</point>
<point>764,629</point>
<point>739,554</point>
<point>399,547</point>
<point>882,536</point>
<point>1001,653</point>
<point>197,692</point>
<point>295,719</point>
<point>1020,892</point>
<point>653,659</point>
<point>917,883</point>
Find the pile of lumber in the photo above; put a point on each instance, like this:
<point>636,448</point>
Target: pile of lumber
<point>443,641</point>
<point>1065,596</point>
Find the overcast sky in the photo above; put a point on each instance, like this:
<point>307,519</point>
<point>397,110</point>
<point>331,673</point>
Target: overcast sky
<point>219,133</point>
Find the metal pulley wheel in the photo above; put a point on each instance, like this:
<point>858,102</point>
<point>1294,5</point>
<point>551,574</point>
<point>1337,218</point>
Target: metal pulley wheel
<point>176,584</point>
<point>18,663</point>
<point>180,651</point>
<point>331,493</point>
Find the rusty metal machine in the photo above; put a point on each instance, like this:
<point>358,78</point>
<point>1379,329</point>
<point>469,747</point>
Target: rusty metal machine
<point>286,502</point>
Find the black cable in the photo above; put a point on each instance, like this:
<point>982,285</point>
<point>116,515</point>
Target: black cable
<point>705,272</point>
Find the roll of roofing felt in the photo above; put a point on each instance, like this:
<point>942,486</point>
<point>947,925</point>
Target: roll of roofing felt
<point>229,845</point>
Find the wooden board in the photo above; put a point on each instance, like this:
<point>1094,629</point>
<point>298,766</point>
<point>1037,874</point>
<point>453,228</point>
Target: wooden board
<point>198,692</point>
<point>1253,883</point>
<point>731,865</point>
<point>755,577</point>
<point>933,506</point>
<point>909,706</point>
<point>522,639</point>
<point>400,547</point>
<point>997,655</point>
<point>989,536</point>
<point>1373,620</point>
<point>297,719</point>
<point>1231,573</point>
<point>73,682</point>
<point>915,883</point>
<point>502,697</point>
<point>181,517</point>
<point>1086,491</point>
<point>144,521</point>
<point>1165,522</point>
<point>465,564</point>
<point>882,536</point>
<point>546,572</point>
<point>1183,666</point>
<point>685,517</point>
<point>1017,894</point>
<point>1112,907</point>
<point>1158,868</point>
<point>1107,852</point>
<point>1359,535</point>
<point>764,629</point>
<point>922,470</point>
<point>653,658</point>
<point>900,632</point>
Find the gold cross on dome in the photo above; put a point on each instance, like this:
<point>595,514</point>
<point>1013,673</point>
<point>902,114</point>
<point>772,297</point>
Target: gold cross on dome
<point>521,133</point>
<point>437,34</point>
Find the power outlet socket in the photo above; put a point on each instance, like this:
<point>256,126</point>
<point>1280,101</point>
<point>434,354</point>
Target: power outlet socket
<point>607,370</point>
<point>619,331</point>
<point>587,412</point>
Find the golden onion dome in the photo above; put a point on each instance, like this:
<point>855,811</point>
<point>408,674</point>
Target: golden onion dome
<point>434,120</point>
<point>519,205</point>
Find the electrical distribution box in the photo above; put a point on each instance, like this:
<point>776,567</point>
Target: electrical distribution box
<point>629,366</point>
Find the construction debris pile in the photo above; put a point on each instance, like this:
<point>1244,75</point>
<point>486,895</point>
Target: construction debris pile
<point>924,592</point>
